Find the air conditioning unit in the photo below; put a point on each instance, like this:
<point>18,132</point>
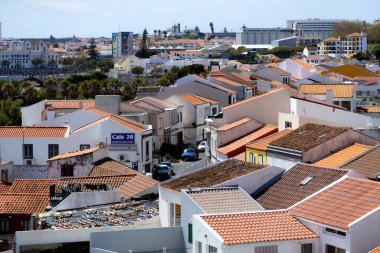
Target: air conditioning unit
<point>29,162</point>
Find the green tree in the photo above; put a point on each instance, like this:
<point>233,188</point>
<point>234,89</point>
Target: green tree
<point>163,81</point>
<point>50,88</point>
<point>92,49</point>
<point>105,65</point>
<point>143,50</point>
<point>37,62</point>
<point>362,56</point>
<point>156,72</point>
<point>373,34</point>
<point>10,114</point>
<point>137,71</point>
<point>30,95</point>
<point>52,63</point>
<point>375,51</point>
<point>165,34</point>
<point>347,27</point>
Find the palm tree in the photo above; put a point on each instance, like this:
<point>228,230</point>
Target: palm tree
<point>165,33</point>
<point>155,32</point>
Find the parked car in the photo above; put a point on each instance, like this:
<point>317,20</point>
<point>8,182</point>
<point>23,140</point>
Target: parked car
<point>170,166</point>
<point>162,172</point>
<point>189,153</point>
<point>202,146</point>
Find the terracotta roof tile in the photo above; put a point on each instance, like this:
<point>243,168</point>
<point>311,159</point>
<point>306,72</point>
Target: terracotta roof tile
<point>288,190</point>
<point>110,167</point>
<point>73,154</point>
<point>223,200</point>
<point>221,87</point>
<point>212,176</point>
<point>351,71</point>
<point>136,185</point>
<point>238,146</point>
<point>155,102</point>
<point>16,203</point>
<point>370,109</point>
<point>212,102</point>
<point>278,70</point>
<point>227,81</point>
<point>32,132</point>
<point>258,227</point>
<point>32,186</point>
<point>263,143</point>
<point>235,124</point>
<point>4,188</point>
<point>192,99</point>
<point>338,90</point>
<point>375,250</point>
<point>114,181</point>
<point>131,124</point>
<point>366,164</point>
<point>308,136</point>
<point>98,111</point>
<point>340,204</point>
<point>240,157</point>
<point>71,104</point>
<point>343,156</point>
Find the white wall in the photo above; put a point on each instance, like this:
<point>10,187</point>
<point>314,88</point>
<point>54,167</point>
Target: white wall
<point>203,233</point>
<point>166,197</point>
<point>328,238</point>
<point>31,115</point>
<point>78,200</point>
<point>75,119</point>
<point>254,180</point>
<point>188,209</point>
<point>331,114</point>
<point>365,233</point>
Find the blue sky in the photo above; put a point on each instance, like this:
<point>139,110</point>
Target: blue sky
<point>94,18</point>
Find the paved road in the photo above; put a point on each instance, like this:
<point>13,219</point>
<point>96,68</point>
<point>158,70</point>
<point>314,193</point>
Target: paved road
<point>188,166</point>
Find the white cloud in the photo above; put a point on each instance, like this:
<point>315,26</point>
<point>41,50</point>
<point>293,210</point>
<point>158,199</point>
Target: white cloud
<point>62,5</point>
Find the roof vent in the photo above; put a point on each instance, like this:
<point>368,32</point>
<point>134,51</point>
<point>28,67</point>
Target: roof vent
<point>306,180</point>
<point>302,132</point>
<point>322,135</point>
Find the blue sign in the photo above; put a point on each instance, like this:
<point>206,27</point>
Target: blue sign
<point>122,138</point>
<point>135,165</point>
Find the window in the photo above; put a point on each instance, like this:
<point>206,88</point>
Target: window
<point>252,158</point>
<point>333,249</point>
<point>26,225</point>
<point>190,233</point>
<point>214,110</point>
<point>175,215</point>
<point>28,151</point>
<point>84,146</point>
<point>212,249</point>
<point>261,160</point>
<point>334,231</point>
<point>307,248</point>
<point>67,170</point>
<point>53,150</point>
<point>147,151</point>
<point>4,226</point>
<point>199,246</point>
<point>266,249</point>
<point>288,124</point>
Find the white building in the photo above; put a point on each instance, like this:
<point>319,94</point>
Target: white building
<point>338,47</point>
<point>313,28</point>
<point>261,36</point>
<point>19,54</point>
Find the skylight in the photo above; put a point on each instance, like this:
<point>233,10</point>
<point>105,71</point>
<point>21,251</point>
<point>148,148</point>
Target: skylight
<point>302,132</point>
<point>322,135</point>
<point>306,180</point>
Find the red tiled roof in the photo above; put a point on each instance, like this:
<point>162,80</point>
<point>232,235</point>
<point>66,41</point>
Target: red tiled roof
<point>258,227</point>
<point>228,81</point>
<point>71,104</point>
<point>137,184</point>
<point>288,190</point>
<point>32,132</point>
<point>341,204</point>
<point>263,143</point>
<point>22,203</point>
<point>238,146</point>
<point>72,154</point>
<point>235,124</point>
<point>32,186</point>
<point>110,167</point>
<point>133,125</point>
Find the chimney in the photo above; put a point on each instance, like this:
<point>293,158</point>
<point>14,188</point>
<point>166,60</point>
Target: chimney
<point>67,124</point>
<point>329,95</point>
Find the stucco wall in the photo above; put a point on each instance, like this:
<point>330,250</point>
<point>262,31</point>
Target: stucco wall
<point>225,137</point>
<point>165,198</point>
<point>31,115</point>
<point>365,233</point>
